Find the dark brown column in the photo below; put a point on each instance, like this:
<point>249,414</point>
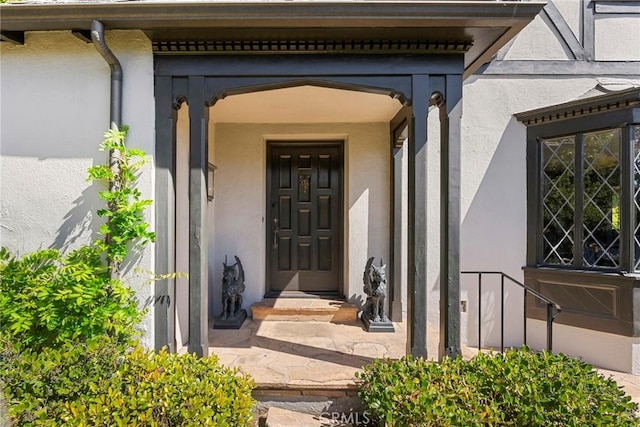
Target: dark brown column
<point>164,302</point>
<point>198,283</point>
<point>398,134</point>
<point>450,113</point>
<point>417,219</point>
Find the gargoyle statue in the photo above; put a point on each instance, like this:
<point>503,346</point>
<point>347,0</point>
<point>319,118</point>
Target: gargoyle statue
<point>375,286</point>
<point>232,289</point>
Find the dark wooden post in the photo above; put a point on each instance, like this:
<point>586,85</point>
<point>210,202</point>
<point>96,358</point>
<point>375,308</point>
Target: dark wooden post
<point>450,112</point>
<point>627,206</point>
<point>398,132</point>
<point>163,299</point>
<point>417,218</point>
<point>198,163</point>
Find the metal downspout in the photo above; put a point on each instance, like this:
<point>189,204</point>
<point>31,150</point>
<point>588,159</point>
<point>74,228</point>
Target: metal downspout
<point>115,111</point>
<point>97,37</point>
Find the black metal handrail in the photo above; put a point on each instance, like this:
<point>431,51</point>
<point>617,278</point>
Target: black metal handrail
<point>553,309</point>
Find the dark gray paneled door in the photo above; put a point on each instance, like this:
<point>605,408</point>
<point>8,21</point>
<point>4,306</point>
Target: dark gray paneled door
<point>304,229</point>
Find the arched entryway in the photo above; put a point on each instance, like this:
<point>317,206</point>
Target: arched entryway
<point>416,81</point>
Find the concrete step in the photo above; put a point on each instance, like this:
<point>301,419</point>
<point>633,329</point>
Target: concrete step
<point>278,417</point>
<point>305,309</point>
<point>309,405</point>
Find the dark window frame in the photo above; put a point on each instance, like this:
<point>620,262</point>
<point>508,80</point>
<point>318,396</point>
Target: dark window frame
<point>593,298</point>
<point>624,119</point>
<point>579,201</point>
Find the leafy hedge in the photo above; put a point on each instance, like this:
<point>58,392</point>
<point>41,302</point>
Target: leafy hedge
<point>94,384</point>
<point>48,298</point>
<point>68,325</point>
<point>517,388</point>
<point>38,384</point>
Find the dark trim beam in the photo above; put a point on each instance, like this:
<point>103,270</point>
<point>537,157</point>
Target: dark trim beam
<point>618,6</point>
<point>589,28</point>
<point>303,66</point>
<point>450,148</point>
<point>198,238</point>
<point>561,68</point>
<point>564,32</point>
<point>164,295</point>
<point>417,219</point>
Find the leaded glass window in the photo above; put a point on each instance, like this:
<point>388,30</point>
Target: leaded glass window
<point>584,191</point>
<point>558,200</point>
<point>601,199</point>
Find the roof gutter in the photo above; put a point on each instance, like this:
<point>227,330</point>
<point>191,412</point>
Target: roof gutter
<point>115,109</point>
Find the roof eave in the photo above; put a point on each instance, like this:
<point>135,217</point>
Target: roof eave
<point>510,15</point>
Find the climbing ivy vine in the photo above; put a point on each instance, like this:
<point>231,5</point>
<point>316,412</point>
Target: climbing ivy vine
<point>125,207</point>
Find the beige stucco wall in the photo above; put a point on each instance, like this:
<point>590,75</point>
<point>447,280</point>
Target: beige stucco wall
<point>240,192</point>
<point>54,100</point>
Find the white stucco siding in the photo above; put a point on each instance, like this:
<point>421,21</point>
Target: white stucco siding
<point>54,95</point>
<point>493,232</point>
<point>617,38</point>
<point>601,349</point>
<point>240,194</point>
<point>571,11</point>
<point>537,41</point>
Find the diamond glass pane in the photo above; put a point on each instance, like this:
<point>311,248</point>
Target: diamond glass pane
<point>636,192</point>
<point>601,198</point>
<point>558,200</point>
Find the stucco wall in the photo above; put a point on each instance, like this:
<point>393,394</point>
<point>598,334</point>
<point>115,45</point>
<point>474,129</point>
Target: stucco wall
<point>604,350</point>
<point>493,232</point>
<point>239,205</point>
<point>610,30</point>
<point>54,93</point>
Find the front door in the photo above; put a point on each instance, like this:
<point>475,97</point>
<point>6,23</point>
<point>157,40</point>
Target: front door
<point>304,228</point>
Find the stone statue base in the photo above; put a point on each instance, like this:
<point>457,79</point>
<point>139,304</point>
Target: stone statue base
<point>230,322</point>
<point>371,326</point>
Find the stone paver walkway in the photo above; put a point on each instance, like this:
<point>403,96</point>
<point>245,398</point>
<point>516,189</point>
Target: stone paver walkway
<point>281,354</point>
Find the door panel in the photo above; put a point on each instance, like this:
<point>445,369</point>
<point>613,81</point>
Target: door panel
<point>304,217</point>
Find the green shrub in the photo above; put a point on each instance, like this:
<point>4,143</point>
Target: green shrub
<point>518,388</point>
<point>48,298</point>
<point>93,384</point>
<point>168,390</point>
<point>38,384</point>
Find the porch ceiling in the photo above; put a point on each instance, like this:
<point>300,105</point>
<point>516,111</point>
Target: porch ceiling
<point>305,104</point>
<point>484,24</point>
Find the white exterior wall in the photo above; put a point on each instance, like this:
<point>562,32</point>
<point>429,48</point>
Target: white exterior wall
<point>493,233</point>
<point>617,37</point>
<point>601,349</point>
<point>240,197</point>
<point>54,93</point>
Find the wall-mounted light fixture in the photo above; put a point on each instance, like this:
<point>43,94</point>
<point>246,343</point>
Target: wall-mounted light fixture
<point>210,171</point>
